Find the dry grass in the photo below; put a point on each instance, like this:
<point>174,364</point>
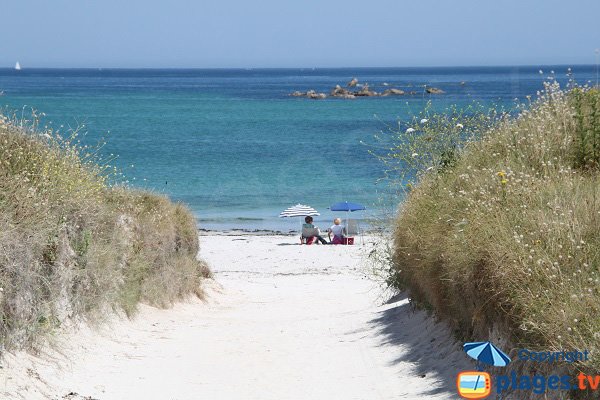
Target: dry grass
<point>506,239</point>
<point>72,246</point>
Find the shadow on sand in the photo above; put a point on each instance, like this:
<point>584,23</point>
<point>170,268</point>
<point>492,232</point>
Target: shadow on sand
<point>428,345</point>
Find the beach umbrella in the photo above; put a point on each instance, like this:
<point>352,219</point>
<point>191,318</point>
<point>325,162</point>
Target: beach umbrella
<point>299,210</point>
<point>487,353</point>
<point>348,207</point>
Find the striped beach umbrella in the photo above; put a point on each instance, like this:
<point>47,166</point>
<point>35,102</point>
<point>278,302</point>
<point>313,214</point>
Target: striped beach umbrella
<point>486,353</point>
<point>299,210</point>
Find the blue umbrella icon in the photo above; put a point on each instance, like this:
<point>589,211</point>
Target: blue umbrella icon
<point>487,353</point>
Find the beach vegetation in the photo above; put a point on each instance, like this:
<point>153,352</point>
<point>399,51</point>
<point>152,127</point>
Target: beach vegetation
<point>498,231</point>
<point>75,244</point>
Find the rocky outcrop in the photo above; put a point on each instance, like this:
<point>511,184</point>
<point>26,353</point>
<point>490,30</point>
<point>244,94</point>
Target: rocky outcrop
<point>392,92</point>
<point>366,92</point>
<point>432,90</point>
<point>311,94</point>
<point>362,90</point>
<point>340,92</point>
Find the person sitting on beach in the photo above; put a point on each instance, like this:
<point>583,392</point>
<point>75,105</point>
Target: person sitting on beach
<point>311,232</point>
<point>337,231</point>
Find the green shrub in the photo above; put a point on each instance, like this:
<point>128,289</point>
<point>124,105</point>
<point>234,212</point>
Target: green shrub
<point>586,104</point>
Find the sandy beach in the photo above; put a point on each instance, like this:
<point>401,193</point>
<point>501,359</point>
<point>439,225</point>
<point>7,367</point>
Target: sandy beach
<point>279,321</point>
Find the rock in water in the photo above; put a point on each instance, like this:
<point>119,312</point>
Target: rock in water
<point>365,92</point>
<point>311,94</point>
<point>392,92</point>
<point>353,82</point>
<point>339,91</point>
<point>432,90</point>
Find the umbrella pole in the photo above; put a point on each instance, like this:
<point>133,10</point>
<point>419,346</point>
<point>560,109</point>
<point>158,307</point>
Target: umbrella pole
<point>360,232</point>
<point>347,218</point>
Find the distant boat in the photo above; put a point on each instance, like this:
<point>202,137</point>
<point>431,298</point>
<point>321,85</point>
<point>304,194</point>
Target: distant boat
<point>18,66</point>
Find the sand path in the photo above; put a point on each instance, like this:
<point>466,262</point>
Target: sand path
<point>281,321</point>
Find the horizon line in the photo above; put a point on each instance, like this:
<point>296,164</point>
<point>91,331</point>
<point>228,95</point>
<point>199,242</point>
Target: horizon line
<point>306,68</point>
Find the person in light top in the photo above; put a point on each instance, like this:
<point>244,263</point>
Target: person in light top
<point>309,227</point>
<point>337,230</point>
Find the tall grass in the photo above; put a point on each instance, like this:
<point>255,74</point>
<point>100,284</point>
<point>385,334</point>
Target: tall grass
<point>586,104</point>
<point>505,238</point>
<point>73,246</point>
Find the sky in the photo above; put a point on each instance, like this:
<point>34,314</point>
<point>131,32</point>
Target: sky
<point>297,33</point>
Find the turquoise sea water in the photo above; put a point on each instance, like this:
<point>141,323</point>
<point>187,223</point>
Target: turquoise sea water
<point>234,146</point>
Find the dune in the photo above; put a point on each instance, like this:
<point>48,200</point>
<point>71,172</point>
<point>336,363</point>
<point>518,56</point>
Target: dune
<point>280,321</point>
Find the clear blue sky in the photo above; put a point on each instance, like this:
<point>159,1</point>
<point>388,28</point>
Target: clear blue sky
<point>297,33</point>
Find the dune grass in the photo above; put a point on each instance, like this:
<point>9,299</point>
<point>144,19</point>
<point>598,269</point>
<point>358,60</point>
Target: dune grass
<point>505,238</point>
<point>72,246</point>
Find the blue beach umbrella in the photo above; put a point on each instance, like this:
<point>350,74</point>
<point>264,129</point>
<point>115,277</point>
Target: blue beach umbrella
<point>486,353</point>
<point>348,207</point>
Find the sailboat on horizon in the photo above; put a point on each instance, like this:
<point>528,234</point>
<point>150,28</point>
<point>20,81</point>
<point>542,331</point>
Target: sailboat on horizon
<point>17,66</point>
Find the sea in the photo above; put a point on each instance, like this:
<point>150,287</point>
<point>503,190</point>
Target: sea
<point>237,149</point>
